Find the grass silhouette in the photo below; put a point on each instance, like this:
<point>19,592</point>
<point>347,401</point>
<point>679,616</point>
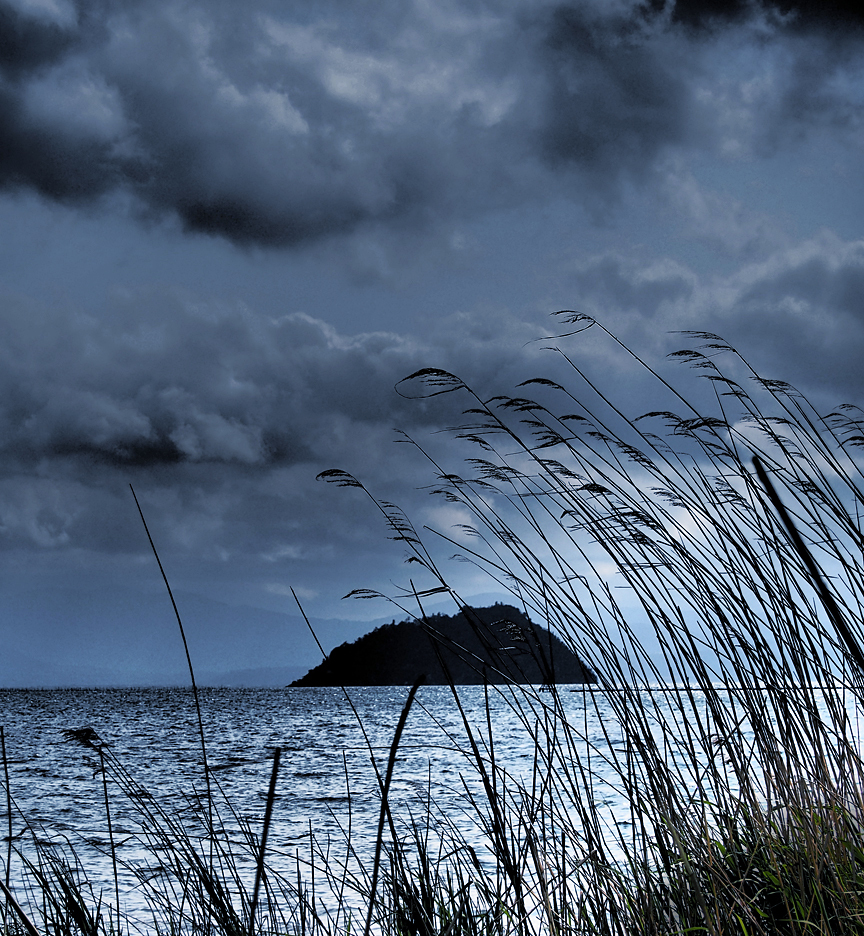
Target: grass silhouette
<point>705,562</point>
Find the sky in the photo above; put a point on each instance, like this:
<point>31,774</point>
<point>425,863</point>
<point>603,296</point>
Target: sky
<point>228,230</point>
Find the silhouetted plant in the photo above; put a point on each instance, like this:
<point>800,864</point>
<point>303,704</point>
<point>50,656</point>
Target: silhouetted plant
<point>752,600</point>
<point>719,606</point>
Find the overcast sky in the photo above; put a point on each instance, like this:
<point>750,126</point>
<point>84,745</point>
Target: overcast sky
<point>228,229</point>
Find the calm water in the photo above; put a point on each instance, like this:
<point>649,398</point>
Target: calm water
<point>325,762</point>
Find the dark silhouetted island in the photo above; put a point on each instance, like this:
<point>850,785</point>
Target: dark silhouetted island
<point>495,645</point>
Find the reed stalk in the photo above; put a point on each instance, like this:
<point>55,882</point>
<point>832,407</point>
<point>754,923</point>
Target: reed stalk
<point>746,775</point>
<point>8,868</point>
<point>188,659</point>
<point>268,815</point>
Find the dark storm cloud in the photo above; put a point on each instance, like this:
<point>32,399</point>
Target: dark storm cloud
<point>614,101</point>
<point>27,43</point>
<point>163,381</point>
<point>833,14</point>
<point>200,395</point>
<point>794,14</point>
<point>248,124</point>
<point>706,14</point>
<point>220,417</point>
<point>274,125</point>
<point>78,171</point>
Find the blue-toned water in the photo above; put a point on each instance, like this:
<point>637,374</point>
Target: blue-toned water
<point>326,782</point>
<point>325,763</point>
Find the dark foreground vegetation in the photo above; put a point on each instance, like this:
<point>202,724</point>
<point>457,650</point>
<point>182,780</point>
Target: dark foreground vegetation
<point>496,645</point>
<point>661,553</point>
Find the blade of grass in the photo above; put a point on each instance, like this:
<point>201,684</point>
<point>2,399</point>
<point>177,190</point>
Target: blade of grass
<point>825,595</point>
<point>22,916</point>
<point>268,813</point>
<point>8,813</point>
<point>385,789</point>
<point>188,662</point>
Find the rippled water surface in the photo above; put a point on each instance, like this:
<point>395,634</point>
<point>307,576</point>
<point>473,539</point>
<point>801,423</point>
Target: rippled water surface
<point>326,781</point>
<point>325,764</point>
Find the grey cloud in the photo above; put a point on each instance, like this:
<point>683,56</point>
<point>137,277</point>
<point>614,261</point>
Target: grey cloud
<point>276,126</point>
<point>163,379</point>
<point>820,64</point>
<point>802,310</point>
<point>618,94</point>
<point>611,282</point>
<point>725,224</point>
<point>797,315</point>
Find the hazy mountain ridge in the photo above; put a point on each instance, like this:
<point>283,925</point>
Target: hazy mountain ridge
<point>136,642</point>
<point>497,644</point>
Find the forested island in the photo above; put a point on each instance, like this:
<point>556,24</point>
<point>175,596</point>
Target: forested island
<point>497,644</point>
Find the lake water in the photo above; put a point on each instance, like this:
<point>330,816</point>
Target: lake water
<point>154,734</point>
<point>325,765</point>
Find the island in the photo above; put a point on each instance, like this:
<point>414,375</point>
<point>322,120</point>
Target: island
<point>497,644</point>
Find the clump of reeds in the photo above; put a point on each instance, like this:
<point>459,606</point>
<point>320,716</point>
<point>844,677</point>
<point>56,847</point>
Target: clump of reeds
<point>200,869</point>
<point>717,600</point>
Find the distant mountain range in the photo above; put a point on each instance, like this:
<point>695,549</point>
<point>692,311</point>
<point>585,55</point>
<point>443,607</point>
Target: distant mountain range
<point>72,640</point>
<point>497,644</point>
